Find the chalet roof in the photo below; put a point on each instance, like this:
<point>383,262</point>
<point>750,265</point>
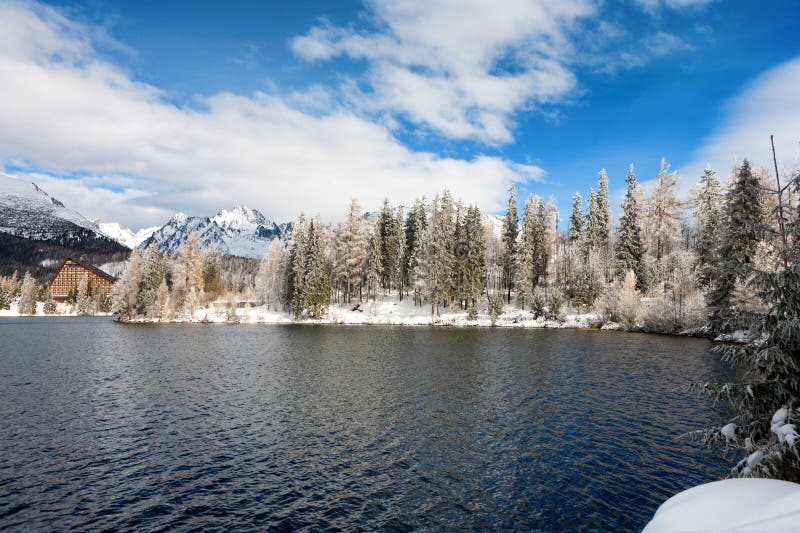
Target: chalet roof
<point>94,269</point>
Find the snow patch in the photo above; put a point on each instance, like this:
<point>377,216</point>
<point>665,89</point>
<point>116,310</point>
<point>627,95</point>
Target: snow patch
<point>126,236</point>
<point>750,504</point>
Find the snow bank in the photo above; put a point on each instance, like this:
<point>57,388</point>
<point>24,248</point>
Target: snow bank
<point>739,336</point>
<point>744,504</point>
<point>62,309</point>
<point>390,311</point>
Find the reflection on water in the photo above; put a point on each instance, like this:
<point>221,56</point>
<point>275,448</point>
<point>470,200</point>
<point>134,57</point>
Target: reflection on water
<point>297,427</point>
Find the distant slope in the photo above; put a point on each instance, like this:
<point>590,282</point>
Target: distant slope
<point>37,232</point>
<point>239,232</point>
<point>126,236</point>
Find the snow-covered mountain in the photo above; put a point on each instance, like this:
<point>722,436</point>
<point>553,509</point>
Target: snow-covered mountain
<point>37,232</point>
<point>241,232</point>
<point>27,211</point>
<point>126,236</point>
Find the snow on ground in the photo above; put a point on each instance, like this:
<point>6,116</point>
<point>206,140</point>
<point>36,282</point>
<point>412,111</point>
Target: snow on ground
<point>743,504</point>
<point>62,309</point>
<point>740,336</point>
<point>388,311</point>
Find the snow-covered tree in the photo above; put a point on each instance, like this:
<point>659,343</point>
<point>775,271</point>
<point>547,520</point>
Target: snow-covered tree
<point>212,268</point>
<point>576,219</point>
<point>509,238</point>
<point>743,228</point>
<point>270,271</point>
<point>317,285</point>
<point>296,271</point>
<point>27,296</point>
<point>351,251</point>
<point>153,272</point>
<point>622,301</point>
<point>435,263</point>
<point>629,249</point>
<point>373,269</point>
<point>662,214</point>
<point>532,254</point>
<point>416,222</point>
<point>390,229</point>
<point>470,259</point>
<point>162,306</point>
<point>125,293</point>
<point>5,296</point>
<point>707,200</point>
<point>50,307</point>
<point>496,308</point>
<point>602,239</point>
<point>591,225</point>
<point>767,404</point>
<point>83,298</point>
<point>589,281</point>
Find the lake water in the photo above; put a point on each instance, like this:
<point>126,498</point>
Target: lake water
<point>106,425</point>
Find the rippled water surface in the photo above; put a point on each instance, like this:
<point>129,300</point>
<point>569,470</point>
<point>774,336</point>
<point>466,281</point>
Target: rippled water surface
<point>324,428</point>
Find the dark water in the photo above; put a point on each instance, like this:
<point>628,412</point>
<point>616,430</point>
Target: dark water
<point>325,428</point>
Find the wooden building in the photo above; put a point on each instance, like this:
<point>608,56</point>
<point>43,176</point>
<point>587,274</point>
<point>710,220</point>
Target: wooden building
<point>72,272</point>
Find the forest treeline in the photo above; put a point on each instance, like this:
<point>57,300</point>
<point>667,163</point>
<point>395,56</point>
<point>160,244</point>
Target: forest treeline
<point>690,262</point>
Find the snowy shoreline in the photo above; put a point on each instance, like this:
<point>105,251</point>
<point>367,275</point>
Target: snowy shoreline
<point>392,312</point>
<point>389,312</point>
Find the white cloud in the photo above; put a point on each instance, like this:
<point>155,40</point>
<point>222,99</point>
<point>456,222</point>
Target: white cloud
<point>442,63</point>
<point>137,156</point>
<point>770,104</point>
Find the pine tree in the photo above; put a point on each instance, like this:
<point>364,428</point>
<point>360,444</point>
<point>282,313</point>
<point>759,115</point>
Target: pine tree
<point>509,237</point>
<point>435,262</point>
<point>603,226</point>
<point>744,219</point>
<point>212,283</point>
<point>154,270</point>
<point>591,225</point>
<point>663,213</point>
<point>83,298</point>
<point>390,231</point>
<point>496,308</point>
<point>351,250</point>
<point>416,222</point>
<point>576,219</point>
<point>295,275</point>
<point>708,214</point>
<point>374,264</point>
<point>317,285</point>
<point>629,249</point>
<point>766,405</point>
<point>50,307</point>
<point>476,257</point>
<point>470,262</point>
<point>27,296</point>
<point>533,253</point>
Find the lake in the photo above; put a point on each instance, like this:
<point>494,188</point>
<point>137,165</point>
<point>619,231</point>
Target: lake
<point>108,425</point>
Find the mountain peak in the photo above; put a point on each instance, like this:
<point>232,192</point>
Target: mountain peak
<point>179,218</point>
<point>239,217</point>
<point>239,231</point>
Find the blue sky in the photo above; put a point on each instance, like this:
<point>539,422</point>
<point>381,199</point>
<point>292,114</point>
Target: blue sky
<point>152,107</point>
